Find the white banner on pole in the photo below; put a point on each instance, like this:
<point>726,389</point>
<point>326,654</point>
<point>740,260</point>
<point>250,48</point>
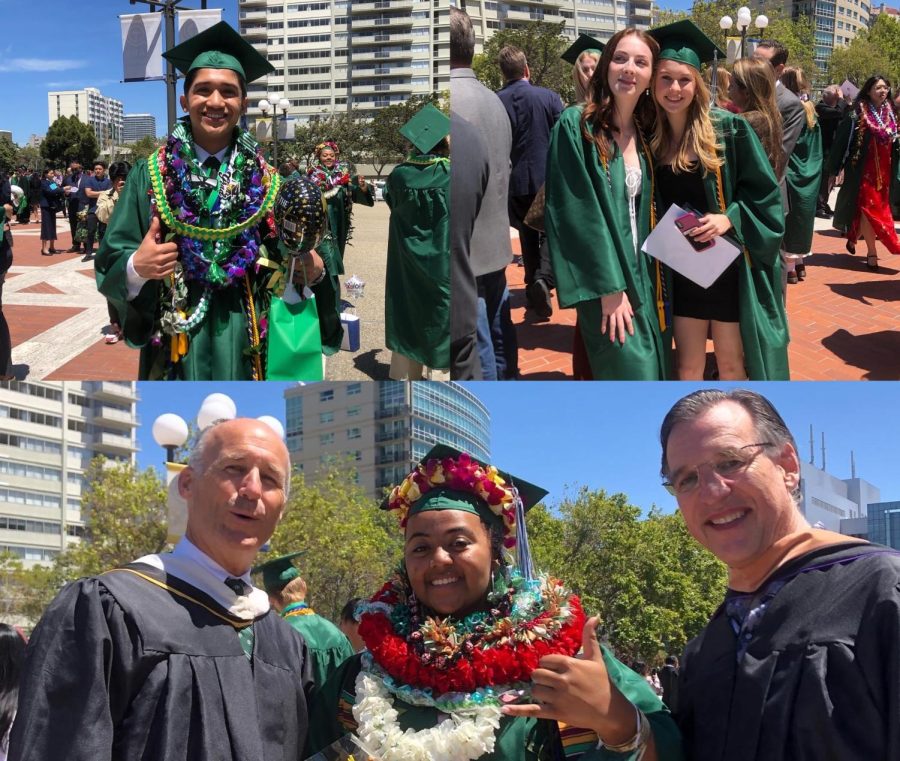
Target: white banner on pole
<point>191,23</point>
<point>142,47</point>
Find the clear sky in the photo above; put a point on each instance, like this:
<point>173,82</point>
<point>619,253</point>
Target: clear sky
<point>69,45</point>
<point>604,435</point>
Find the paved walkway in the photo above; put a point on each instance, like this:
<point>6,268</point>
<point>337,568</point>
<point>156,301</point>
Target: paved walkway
<point>844,320</point>
<point>58,320</point>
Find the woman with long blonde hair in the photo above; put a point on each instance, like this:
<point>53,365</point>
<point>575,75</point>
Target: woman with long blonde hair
<point>710,161</point>
<point>599,199</point>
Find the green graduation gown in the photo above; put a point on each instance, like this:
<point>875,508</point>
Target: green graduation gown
<point>417,288</point>
<point>517,739</point>
<point>593,254</point>
<point>327,646</point>
<point>754,206</point>
<point>218,346</point>
<point>804,175</point>
<point>842,149</point>
<point>339,216</point>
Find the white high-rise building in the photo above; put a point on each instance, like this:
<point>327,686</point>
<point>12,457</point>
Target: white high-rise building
<point>137,126</point>
<point>365,53</point>
<point>49,433</point>
<point>90,107</point>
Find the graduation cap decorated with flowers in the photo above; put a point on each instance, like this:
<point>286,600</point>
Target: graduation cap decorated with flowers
<point>219,47</point>
<point>584,44</point>
<point>448,479</point>
<point>278,572</point>
<point>427,128</point>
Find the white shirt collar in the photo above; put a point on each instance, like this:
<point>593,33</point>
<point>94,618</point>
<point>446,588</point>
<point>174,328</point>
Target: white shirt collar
<point>191,565</point>
<point>203,154</point>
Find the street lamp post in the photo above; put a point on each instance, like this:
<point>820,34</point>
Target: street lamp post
<point>743,21</point>
<point>265,106</point>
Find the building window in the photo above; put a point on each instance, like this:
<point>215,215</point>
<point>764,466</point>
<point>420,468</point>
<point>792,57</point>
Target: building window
<point>326,438</point>
<point>326,417</point>
<point>353,411</point>
<point>326,396</point>
<point>354,388</point>
<point>354,433</point>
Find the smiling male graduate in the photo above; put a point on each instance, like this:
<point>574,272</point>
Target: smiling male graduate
<point>189,257</point>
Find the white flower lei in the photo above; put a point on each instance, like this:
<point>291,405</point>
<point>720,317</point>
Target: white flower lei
<point>457,738</point>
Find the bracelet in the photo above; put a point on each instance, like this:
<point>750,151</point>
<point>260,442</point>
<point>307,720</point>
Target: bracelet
<point>319,279</point>
<point>638,742</point>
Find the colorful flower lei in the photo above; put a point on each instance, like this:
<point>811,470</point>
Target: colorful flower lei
<point>460,474</point>
<point>498,649</point>
<point>330,180</point>
<point>883,125</point>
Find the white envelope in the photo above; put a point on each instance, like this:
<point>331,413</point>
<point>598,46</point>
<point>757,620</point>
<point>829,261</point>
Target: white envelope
<point>667,243</point>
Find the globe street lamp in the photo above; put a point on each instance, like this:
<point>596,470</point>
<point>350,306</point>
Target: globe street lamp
<point>743,21</point>
<point>265,106</point>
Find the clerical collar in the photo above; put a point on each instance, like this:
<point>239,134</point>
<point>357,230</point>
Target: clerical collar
<point>203,154</point>
<point>188,563</point>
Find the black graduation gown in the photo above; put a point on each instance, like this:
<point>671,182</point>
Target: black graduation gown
<point>121,668</point>
<point>820,680</point>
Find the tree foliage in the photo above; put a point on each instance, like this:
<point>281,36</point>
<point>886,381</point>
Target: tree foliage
<point>652,584</point>
<point>69,140</point>
<point>543,44</point>
<point>140,149</point>
<point>29,156</point>
<point>875,51</point>
<point>384,143</point>
<point>350,545</point>
<point>346,129</point>
<point>7,155</point>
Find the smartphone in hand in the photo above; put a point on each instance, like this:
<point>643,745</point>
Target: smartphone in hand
<point>688,221</point>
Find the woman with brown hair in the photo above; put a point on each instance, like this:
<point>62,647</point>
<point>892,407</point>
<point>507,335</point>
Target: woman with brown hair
<point>599,198</point>
<point>753,91</point>
<point>804,175</point>
<point>723,82</point>
<point>712,162</point>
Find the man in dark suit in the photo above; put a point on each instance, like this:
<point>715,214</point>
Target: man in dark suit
<point>830,114</point>
<point>532,113</point>
<point>489,249</point>
<point>72,187</point>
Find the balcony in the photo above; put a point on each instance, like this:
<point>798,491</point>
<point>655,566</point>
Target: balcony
<point>394,89</point>
<point>389,38</point>
<point>115,392</point>
<point>105,441</point>
<point>106,415</point>
<point>253,15</point>
<point>256,31</point>
<point>382,71</point>
<point>252,3</point>
<point>382,56</point>
<point>383,22</point>
<point>370,6</point>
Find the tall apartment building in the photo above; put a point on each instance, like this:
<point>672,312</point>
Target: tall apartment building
<point>598,18</point>
<point>384,427</point>
<point>137,126</point>
<point>365,53</point>
<point>49,433</point>
<point>90,107</point>
<point>835,23</point>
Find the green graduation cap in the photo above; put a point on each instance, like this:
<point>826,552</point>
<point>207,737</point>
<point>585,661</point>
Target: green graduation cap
<point>278,571</point>
<point>683,41</point>
<point>584,43</point>
<point>427,128</point>
<point>219,47</point>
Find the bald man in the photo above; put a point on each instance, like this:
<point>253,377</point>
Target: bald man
<point>177,655</point>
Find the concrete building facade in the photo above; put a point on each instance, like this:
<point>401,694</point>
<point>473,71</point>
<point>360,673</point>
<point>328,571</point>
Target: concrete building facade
<point>384,427</point>
<point>138,126</point>
<point>49,433</point>
<point>89,105</point>
<point>827,500</point>
<point>835,23</point>
<point>333,54</point>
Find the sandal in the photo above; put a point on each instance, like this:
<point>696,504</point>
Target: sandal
<point>851,247</point>
<point>872,262</point>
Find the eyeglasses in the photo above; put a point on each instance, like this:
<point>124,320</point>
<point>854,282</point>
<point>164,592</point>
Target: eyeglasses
<point>728,465</point>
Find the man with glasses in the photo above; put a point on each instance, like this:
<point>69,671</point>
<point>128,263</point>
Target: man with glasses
<point>93,187</point>
<point>802,659</point>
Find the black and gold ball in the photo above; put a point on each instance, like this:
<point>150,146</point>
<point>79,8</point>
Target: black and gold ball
<point>301,215</point>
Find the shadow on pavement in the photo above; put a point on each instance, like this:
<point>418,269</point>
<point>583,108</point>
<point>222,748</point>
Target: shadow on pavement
<point>869,292</point>
<point>876,353</point>
<point>546,333</point>
<point>368,363</point>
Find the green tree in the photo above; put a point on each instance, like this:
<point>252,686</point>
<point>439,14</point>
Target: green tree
<point>7,155</point>
<point>543,44</point>
<point>69,140</point>
<point>384,143</point>
<point>874,51</point>
<point>652,584</point>
<point>141,149</point>
<point>29,156</point>
<point>351,546</point>
<point>344,128</point>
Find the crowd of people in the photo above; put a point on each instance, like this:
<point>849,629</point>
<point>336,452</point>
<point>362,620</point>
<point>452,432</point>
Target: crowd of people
<point>742,154</point>
<point>468,651</point>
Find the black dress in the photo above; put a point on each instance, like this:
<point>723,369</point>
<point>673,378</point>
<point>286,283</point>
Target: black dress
<point>719,301</point>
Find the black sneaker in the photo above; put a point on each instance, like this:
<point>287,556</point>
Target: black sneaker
<point>517,260</point>
<point>87,257</point>
<point>538,296</point>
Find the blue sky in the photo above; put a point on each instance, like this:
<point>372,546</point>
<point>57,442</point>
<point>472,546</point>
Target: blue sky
<point>604,435</point>
<point>68,45</point>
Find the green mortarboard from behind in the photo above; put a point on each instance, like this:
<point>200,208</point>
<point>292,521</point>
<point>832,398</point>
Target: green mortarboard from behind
<point>685,42</point>
<point>277,572</point>
<point>583,43</point>
<point>427,128</point>
<point>219,47</point>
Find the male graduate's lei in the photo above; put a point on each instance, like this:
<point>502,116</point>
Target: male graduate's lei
<point>217,257</point>
<point>466,668</point>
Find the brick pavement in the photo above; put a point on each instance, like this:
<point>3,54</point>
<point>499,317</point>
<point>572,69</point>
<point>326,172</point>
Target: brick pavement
<point>844,320</point>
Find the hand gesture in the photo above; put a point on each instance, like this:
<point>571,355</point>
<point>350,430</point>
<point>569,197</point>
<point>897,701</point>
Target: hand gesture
<point>155,260</point>
<point>617,314</point>
<point>579,692</point>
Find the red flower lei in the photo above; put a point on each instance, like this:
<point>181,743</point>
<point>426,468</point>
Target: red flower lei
<point>485,666</point>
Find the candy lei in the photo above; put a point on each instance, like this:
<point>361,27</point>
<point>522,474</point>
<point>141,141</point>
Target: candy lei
<point>465,668</point>
<point>330,181</point>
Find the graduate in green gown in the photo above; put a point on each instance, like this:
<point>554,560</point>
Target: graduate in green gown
<point>465,626</point>
<point>598,211</point>
<point>738,196</point>
<point>189,255</point>
<point>417,286</point>
<point>342,188</point>
<point>327,646</point>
